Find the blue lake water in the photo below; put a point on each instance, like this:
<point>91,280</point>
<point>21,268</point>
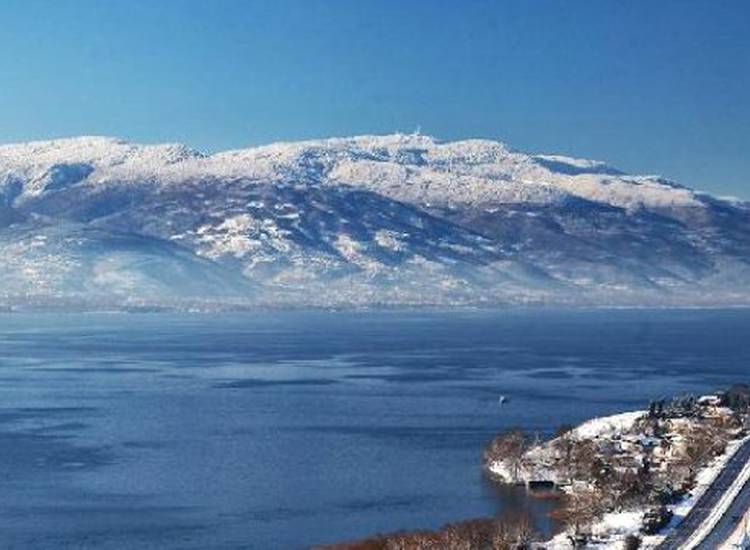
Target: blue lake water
<point>283,430</point>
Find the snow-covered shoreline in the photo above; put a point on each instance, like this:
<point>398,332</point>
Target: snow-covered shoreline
<point>535,470</point>
<point>639,439</point>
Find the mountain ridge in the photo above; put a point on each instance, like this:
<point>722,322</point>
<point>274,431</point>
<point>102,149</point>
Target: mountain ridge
<point>402,219</point>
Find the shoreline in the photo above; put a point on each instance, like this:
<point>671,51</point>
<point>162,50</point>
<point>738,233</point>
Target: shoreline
<point>623,481</point>
<point>642,472</point>
<point>6,311</point>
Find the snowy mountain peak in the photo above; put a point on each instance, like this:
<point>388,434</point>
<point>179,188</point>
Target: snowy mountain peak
<point>410,167</point>
<point>97,151</point>
<point>402,218</point>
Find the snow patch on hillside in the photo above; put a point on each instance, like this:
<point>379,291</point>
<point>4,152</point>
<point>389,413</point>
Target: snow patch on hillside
<point>607,426</point>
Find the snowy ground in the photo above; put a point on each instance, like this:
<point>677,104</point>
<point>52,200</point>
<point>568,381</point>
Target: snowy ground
<point>539,467</point>
<point>613,528</point>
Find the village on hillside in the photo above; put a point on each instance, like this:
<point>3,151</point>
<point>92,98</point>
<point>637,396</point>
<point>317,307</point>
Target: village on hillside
<point>623,480</point>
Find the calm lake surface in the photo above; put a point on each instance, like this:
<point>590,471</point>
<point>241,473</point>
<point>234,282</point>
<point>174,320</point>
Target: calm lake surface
<point>283,430</point>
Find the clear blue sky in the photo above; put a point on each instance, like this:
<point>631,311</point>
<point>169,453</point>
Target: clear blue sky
<point>652,86</point>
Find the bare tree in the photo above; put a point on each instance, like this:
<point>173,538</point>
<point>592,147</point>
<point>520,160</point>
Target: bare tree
<point>513,530</point>
<point>508,447</point>
<point>469,535</point>
<point>564,444</point>
<point>701,443</point>
<point>627,486</point>
<point>578,459</point>
<point>578,511</point>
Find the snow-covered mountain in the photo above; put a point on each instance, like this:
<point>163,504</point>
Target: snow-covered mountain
<point>399,219</point>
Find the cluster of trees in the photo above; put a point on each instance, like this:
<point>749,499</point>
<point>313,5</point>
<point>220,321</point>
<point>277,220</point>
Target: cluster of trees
<point>736,398</point>
<point>605,478</point>
<point>701,442</point>
<point>512,531</point>
<point>578,510</point>
<point>610,481</point>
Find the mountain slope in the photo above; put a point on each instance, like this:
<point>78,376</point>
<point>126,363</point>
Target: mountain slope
<point>400,219</point>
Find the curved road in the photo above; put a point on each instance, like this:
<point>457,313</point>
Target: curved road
<point>698,514</point>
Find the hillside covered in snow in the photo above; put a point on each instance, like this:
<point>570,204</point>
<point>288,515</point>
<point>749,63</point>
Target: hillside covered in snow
<point>372,220</point>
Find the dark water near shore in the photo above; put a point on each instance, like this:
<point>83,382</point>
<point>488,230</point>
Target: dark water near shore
<point>281,430</point>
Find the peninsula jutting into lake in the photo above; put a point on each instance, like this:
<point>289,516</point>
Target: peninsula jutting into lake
<point>676,475</point>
